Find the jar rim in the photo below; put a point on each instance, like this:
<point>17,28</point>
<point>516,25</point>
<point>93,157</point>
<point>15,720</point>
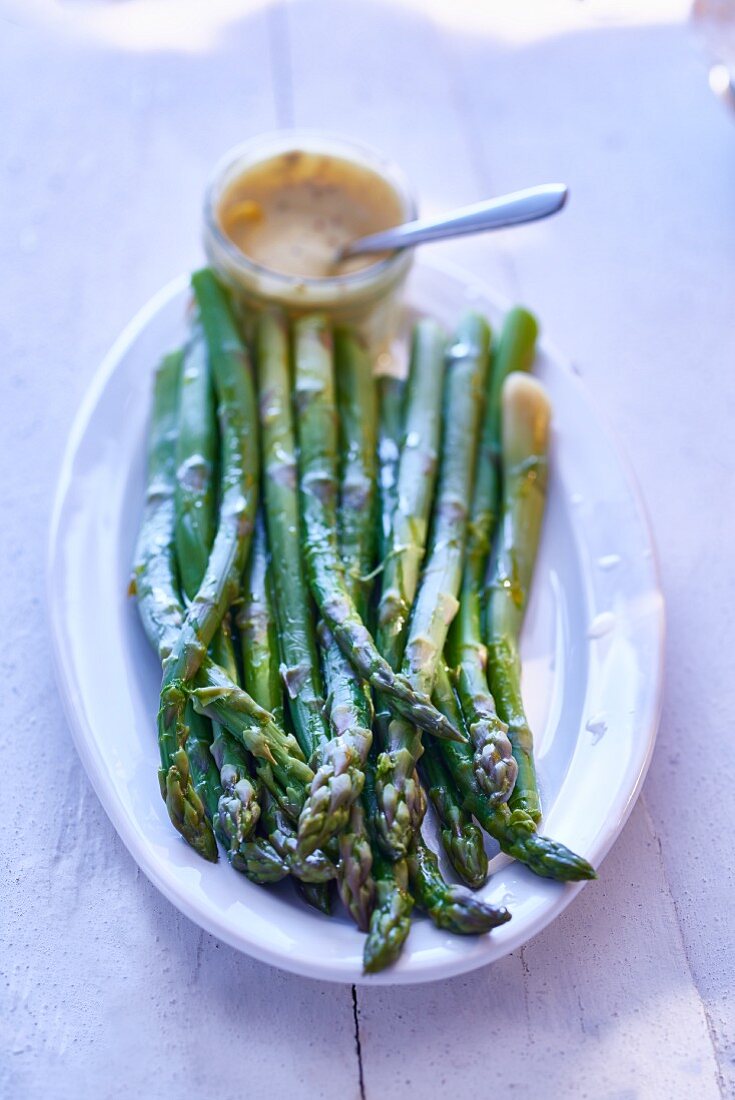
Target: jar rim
<point>277,142</point>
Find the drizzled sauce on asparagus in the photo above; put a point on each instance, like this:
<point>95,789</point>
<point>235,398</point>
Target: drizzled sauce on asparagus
<point>292,213</point>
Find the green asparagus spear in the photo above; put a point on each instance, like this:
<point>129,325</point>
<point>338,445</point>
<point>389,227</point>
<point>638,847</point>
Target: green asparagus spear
<point>161,611</point>
<point>300,663</point>
<point>233,813</point>
<point>154,565</point>
<point>416,493</point>
<point>256,624</point>
<point>196,458</point>
<point>390,921</point>
<point>318,491</point>
<point>355,868</point>
<point>255,621</point>
<point>238,809</point>
<point>461,838</point>
<point>218,764</point>
<point>525,435</point>
<point>316,894</point>
<point>259,861</point>
<point>414,490</point>
<point>235,403</point>
<point>358,435</point>
<point>235,393</point>
<point>495,767</point>
<point>392,392</point>
<point>515,830</point>
<point>339,774</point>
<point>314,868</point>
<point>204,772</point>
<point>257,633</point>
<point>356,390</point>
<point>287,775</point>
<point>195,501</point>
<point>235,807</point>
<point>436,601</point>
<point>452,908</point>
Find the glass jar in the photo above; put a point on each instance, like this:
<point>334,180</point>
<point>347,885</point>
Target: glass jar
<point>367,299</point>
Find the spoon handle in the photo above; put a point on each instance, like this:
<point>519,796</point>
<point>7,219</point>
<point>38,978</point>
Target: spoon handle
<point>514,209</point>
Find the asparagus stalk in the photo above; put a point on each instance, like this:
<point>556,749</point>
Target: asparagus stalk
<point>515,830</point>
<point>461,838</point>
<point>238,811</point>
<point>390,921</point>
<point>204,772</point>
<point>392,393</point>
<point>358,469</point>
<point>284,770</point>
<point>256,626</point>
<point>314,868</point>
<point>407,507</point>
<point>495,766</point>
<point>196,458</point>
<point>316,894</point>
<point>154,563</point>
<point>318,491</point>
<point>238,808</point>
<point>339,775</point>
<point>355,880</point>
<point>253,856</point>
<point>451,908</point>
<point>525,438</point>
<point>235,393</point>
<point>158,602</point>
<point>436,601</point>
<point>235,403</point>
<point>259,861</point>
<point>357,403</point>
<point>218,764</point>
<point>235,802</point>
<point>297,641</point>
<point>195,503</point>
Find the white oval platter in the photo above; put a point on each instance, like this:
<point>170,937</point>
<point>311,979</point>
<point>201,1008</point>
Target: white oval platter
<point>592,650</point>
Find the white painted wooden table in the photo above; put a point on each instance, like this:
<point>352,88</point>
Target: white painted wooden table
<point>111,115</point>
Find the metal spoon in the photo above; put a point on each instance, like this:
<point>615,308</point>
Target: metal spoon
<point>514,209</point>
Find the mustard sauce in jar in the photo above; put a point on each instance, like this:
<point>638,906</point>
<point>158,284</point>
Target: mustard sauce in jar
<point>278,209</point>
<point>293,213</point>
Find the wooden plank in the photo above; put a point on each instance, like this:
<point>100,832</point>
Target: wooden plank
<point>107,990</point>
<point>635,281</point>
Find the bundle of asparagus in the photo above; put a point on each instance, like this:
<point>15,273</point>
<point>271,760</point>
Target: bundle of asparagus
<point>315,570</point>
